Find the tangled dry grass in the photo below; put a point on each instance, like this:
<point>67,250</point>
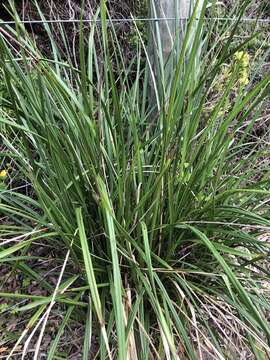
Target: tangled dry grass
<point>73,9</point>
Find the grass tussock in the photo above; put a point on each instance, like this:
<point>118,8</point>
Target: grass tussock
<point>159,204</point>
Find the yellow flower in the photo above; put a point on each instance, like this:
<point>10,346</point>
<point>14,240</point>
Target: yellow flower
<point>238,55</point>
<point>243,58</point>
<point>3,174</point>
<point>243,79</point>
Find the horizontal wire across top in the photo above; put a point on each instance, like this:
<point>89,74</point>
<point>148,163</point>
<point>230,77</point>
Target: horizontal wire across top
<point>125,20</point>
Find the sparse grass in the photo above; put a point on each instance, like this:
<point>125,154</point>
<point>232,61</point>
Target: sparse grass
<point>157,211</point>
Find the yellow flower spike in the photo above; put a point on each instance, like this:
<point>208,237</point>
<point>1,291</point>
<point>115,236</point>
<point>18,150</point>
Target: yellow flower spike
<point>3,174</point>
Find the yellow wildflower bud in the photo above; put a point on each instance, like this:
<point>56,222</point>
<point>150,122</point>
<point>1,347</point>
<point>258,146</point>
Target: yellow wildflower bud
<point>3,174</point>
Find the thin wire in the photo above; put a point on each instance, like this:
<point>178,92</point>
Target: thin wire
<point>125,20</point>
